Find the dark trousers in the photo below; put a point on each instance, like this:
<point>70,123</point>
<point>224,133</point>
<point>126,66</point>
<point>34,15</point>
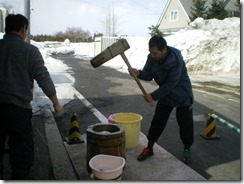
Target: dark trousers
<point>15,122</point>
<point>184,116</point>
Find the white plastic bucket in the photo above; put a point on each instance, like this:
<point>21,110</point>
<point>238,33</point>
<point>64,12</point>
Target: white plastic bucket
<point>107,167</point>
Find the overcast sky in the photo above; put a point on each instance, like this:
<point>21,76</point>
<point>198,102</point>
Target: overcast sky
<point>51,16</point>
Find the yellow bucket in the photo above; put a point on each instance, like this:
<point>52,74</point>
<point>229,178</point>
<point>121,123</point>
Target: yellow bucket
<point>131,122</point>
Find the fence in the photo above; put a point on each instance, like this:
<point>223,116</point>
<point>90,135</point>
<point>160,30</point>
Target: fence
<point>225,123</point>
<point>209,132</point>
<point>101,43</point>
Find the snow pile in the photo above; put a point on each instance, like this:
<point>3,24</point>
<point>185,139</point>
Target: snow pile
<point>210,45</point>
<point>84,50</point>
<point>55,48</point>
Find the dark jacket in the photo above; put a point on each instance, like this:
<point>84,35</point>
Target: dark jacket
<point>20,64</point>
<point>175,87</point>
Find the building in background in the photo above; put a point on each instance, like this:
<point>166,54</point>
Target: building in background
<point>176,14</point>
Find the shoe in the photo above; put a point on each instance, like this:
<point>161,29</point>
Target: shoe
<point>144,154</point>
<point>186,156</point>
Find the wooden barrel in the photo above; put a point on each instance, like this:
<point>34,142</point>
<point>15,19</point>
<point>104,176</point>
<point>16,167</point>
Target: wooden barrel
<point>105,139</point>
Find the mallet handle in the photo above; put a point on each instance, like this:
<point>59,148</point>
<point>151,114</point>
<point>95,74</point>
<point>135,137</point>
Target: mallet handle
<point>135,77</point>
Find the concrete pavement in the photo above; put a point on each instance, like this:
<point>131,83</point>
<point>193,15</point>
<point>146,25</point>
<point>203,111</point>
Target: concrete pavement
<point>111,92</point>
<point>161,167</point>
<point>57,160</point>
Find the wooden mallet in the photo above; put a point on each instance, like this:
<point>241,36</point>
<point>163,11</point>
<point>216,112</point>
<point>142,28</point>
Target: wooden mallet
<point>112,51</point>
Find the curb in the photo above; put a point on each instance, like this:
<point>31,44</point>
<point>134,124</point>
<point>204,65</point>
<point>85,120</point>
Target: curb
<point>62,167</point>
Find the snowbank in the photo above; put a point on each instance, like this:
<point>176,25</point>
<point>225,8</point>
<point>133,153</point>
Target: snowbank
<point>210,45</point>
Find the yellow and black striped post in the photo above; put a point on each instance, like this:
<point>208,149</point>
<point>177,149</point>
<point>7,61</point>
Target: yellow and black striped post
<point>74,132</point>
<point>210,130</point>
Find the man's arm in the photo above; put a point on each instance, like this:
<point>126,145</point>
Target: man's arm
<point>42,76</point>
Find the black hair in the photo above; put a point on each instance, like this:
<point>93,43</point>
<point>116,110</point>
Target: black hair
<point>15,22</point>
<point>157,41</point>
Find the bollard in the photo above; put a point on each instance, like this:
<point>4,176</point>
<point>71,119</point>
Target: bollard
<point>210,130</point>
<point>74,132</point>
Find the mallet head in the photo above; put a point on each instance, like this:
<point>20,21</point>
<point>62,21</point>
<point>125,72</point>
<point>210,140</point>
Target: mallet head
<point>110,52</point>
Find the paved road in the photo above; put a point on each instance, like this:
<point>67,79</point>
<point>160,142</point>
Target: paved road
<point>112,92</point>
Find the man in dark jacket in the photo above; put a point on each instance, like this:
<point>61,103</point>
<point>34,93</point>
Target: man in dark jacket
<point>20,64</point>
<point>166,66</point>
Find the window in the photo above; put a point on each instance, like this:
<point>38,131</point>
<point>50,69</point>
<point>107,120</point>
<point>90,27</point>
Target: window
<point>174,16</point>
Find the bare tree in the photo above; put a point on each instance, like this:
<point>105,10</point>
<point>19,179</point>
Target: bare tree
<point>75,34</point>
<point>110,23</point>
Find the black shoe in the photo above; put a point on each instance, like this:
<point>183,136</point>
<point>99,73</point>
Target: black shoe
<point>186,156</point>
<point>144,154</point>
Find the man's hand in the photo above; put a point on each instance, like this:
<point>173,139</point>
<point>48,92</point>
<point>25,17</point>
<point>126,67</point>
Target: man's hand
<point>148,98</point>
<point>58,111</point>
<point>57,107</point>
<point>134,72</point>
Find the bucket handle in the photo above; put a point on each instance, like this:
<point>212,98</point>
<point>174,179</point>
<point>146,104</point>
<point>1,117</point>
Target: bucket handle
<point>111,119</point>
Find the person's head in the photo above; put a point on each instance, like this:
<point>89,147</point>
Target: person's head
<point>158,47</point>
<point>16,24</point>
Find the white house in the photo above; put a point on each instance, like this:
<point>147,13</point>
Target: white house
<point>176,14</point>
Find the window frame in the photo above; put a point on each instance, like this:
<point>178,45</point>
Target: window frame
<point>174,16</point>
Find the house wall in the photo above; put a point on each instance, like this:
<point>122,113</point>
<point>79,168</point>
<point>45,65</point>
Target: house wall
<point>168,26</point>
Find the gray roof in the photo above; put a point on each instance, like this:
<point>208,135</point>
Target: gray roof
<point>187,5</point>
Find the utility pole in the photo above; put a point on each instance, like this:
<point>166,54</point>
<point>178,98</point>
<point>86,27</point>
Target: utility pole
<point>27,15</point>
